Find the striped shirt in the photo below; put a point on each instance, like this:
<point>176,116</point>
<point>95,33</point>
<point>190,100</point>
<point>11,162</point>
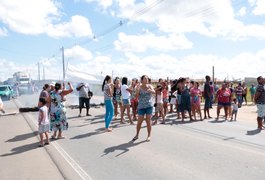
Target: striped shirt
<point>106,92</point>
<point>261,98</point>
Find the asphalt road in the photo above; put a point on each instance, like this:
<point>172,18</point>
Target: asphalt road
<point>198,150</point>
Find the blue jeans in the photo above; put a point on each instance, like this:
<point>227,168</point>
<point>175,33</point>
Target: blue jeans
<point>109,112</point>
<point>239,99</point>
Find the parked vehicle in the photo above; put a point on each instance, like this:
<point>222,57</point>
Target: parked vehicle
<point>6,91</point>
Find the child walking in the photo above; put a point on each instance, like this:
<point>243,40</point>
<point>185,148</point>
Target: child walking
<point>159,105</point>
<point>44,123</point>
<point>235,109</point>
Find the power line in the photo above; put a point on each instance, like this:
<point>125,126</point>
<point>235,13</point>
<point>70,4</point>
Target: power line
<point>122,22</point>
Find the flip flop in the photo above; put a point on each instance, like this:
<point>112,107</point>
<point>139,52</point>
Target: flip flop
<point>135,138</point>
<point>62,137</point>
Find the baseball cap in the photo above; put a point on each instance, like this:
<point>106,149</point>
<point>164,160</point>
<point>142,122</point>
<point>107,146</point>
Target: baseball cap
<point>52,83</point>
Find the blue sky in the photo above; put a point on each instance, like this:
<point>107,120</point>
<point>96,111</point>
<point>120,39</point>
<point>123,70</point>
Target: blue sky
<point>161,38</point>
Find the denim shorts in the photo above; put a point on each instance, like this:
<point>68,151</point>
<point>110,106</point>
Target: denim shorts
<point>224,104</point>
<point>147,111</point>
<point>126,102</point>
<point>261,110</point>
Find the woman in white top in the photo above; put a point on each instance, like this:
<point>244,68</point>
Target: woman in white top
<point>126,94</point>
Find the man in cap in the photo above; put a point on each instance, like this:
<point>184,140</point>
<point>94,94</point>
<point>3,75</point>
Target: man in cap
<point>84,97</point>
<point>52,85</point>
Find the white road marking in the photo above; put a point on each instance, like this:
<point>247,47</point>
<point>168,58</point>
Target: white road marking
<point>80,171</point>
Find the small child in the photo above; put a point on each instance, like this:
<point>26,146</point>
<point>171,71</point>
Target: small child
<point>159,105</point>
<point>234,109</point>
<point>2,106</point>
<point>44,123</point>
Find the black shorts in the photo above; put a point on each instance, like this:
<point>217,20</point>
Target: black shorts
<point>82,101</point>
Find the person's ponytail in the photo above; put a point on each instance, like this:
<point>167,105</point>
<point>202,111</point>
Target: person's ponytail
<point>107,78</point>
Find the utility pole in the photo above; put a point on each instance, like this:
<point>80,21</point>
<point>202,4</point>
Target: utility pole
<point>43,72</point>
<point>63,64</point>
<point>39,71</point>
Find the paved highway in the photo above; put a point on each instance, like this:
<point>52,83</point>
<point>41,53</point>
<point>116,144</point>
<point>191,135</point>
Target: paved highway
<point>198,150</point>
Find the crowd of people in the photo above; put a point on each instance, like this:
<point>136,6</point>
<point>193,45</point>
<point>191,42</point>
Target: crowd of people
<point>141,100</point>
<point>180,96</point>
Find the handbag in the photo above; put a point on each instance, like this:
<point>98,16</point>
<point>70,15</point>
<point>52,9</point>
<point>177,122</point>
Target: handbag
<point>90,94</point>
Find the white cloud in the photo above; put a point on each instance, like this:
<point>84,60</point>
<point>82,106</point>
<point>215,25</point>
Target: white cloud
<point>242,12</point>
<point>140,43</point>
<point>208,18</point>
<point>163,65</point>
<point>41,17</point>
<point>156,66</point>
<point>259,7</point>
<point>252,2</point>
<point>103,3</point>
<point>79,26</point>
<point>78,53</point>
<point>11,67</point>
<point>102,59</point>
<point>28,16</point>
<point>48,62</point>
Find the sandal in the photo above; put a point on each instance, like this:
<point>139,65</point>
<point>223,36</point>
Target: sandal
<point>148,139</point>
<point>135,138</point>
<point>61,137</point>
<point>41,145</point>
<point>47,143</point>
<point>53,137</point>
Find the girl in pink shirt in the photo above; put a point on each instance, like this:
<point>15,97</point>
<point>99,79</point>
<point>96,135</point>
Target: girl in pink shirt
<point>196,94</point>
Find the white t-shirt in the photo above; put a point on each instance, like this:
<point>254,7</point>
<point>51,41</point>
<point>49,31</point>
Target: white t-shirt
<point>83,92</point>
<point>159,98</point>
<point>45,119</point>
<point>125,94</point>
<point>234,107</point>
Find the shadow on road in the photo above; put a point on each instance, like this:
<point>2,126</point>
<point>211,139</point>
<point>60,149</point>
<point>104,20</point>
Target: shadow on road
<point>23,137</point>
<point>122,147</point>
<point>253,132</point>
<point>217,121</point>
<point>22,149</point>
<point>178,122</point>
<point>96,132</point>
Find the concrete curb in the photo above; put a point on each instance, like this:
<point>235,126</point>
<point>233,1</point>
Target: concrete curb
<point>68,168</point>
